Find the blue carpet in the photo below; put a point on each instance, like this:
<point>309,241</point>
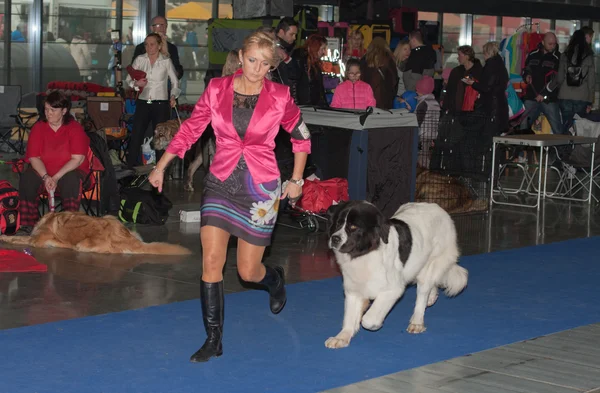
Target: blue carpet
<point>512,296</point>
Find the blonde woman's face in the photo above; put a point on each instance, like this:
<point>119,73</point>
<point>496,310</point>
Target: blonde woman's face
<point>255,63</point>
<point>151,45</point>
<point>404,52</point>
<point>357,40</point>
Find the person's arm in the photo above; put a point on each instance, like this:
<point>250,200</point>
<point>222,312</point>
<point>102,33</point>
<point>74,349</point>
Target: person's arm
<point>336,101</point>
<point>591,81</point>
<point>193,128</point>
<point>71,165</point>
<point>557,78</point>
<point>174,53</point>
<point>175,90</point>
<point>300,137</point>
<point>370,97</point>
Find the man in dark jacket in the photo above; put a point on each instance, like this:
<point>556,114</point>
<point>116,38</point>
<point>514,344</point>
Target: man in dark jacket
<point>540,70</point>
<point>286,33</point>
<point>159,26</point>
<point>421,61</point>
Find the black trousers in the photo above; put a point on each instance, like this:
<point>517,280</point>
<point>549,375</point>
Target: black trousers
<point>145,114</point>
<point>31,186</point>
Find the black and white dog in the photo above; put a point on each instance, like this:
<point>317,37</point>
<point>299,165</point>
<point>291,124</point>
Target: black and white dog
<point>379,257</point>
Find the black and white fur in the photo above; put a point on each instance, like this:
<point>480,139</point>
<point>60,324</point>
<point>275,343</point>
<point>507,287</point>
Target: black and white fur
<point>379,257</point>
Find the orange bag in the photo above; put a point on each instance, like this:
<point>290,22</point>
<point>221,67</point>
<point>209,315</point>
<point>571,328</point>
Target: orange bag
<point>318,195</point>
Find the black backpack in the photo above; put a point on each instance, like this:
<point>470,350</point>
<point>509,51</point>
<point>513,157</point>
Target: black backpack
<point>144,206</point>
<point>575,75</point>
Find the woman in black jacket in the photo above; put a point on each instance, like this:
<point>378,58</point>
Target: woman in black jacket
<point>492,90</point>
<point>455,90</point>
<point>306,75</point>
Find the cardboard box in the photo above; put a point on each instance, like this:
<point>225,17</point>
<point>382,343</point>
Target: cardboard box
<point>189,216</point>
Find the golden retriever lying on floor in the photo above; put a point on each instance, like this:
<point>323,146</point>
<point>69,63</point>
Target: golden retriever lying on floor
<point>446,191</point>
<point>80,232</point>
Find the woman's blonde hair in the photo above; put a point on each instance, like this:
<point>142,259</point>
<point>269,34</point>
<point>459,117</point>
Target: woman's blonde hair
<point>378,53</point>
<point>351,35</point>
<point>491,48</point>
<point>265,43</point>
<point>398,51</point>
<point>232,63</point>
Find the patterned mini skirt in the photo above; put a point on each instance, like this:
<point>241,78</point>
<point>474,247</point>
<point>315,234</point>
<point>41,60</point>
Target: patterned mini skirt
<point>240,206</point>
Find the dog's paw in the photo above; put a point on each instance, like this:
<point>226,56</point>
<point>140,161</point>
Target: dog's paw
<point>371,323</point>
<point>336,343</point>
<point>188,187</point>
<point>416,329</point>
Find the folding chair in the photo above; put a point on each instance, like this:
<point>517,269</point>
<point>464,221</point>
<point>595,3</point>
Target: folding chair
<point>90,194</point>
<point>575,176</point>
<point>12,119</point>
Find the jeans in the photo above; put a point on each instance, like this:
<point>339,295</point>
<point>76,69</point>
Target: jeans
<point>549,109</point>
<point>570,108</point>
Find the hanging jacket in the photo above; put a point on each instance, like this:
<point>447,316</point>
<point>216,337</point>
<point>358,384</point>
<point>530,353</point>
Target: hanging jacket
<point>358,95</point>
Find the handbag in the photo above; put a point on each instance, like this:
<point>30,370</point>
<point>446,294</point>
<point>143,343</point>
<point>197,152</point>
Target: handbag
<point>469,99</point>
<point>319,195</point>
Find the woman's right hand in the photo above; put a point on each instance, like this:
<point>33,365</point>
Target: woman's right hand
<point>156,178</point>
<point>141,82</point>
<point>49,184</point>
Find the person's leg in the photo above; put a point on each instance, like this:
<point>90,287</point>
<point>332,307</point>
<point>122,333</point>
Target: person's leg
<point>69,187</point>
<point>567,111</point>
<point>552,112</point>
<point>250,268</point>
<point>532,109</point>
<point>30,187</point>
<point>141,121</point>
<point>214,253</point>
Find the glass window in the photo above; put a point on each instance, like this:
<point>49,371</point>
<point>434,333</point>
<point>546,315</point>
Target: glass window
<point>20,51</point>
<point>77,43</point>
<point>564,30</point>
<point>540,25</point>
<point>188,24</point>
<point>510,25</point>
<point>428,16</point>
<point>454,35</point>
<point>484,31</point>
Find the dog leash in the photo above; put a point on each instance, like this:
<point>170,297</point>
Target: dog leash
<point>177,113</point>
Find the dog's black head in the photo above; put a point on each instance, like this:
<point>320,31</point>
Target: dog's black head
<point>356,228</point>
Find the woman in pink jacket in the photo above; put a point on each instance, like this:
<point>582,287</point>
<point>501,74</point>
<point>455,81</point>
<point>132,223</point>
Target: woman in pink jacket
<point>242,191</point>
<point>353,93</point>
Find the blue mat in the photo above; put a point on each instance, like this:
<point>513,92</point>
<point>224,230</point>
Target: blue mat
<point>512,296</point>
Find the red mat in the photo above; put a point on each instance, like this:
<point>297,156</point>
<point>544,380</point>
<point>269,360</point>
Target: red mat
<point>13,261</point>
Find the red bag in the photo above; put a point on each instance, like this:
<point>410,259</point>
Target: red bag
<point>318,195</point>
<point>136,75</point>
<point>9,209</point>
<point>469,99</point>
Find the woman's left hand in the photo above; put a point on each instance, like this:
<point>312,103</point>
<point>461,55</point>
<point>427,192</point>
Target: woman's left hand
<point>468,81</point>
<point>293,192</point>
<point>173,102</point>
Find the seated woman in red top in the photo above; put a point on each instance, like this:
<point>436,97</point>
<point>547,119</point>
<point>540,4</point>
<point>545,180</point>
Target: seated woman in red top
<point>242,191</point>
<point>57,155</point>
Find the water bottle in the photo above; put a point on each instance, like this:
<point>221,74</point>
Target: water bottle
<point>51,201</point>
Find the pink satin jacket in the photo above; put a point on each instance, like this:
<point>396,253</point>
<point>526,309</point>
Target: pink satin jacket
<point>275,107</point>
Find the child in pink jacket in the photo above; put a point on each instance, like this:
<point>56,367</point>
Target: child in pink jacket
<point>353,93</point>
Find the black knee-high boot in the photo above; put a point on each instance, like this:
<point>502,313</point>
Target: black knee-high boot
<point>275,282</point>
<point>212,314</point>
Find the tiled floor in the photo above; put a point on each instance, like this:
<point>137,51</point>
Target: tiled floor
<point>79,285</point>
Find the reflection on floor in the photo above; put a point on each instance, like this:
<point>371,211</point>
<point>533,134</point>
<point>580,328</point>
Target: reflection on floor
<point>78,285</point>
